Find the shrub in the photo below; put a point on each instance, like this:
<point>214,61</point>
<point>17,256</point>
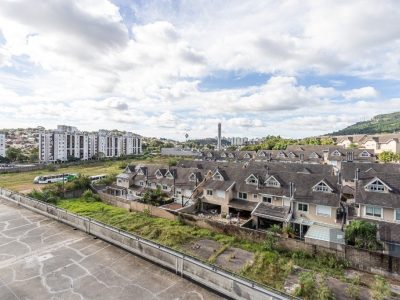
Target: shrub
<point>311,288</point>
<point>353,288</point>
<point>275,229</point>
<point>380,290</point>
<point>270,241</point>
<point>362,234</point>
<point>88,195</point>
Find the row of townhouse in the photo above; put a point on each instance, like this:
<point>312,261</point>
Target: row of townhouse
<point>372,192</point>
<point>2,145</point>
<point>316,200</point>
<point>379,142</point>
<point>320,154</point>
<point>68,142</point>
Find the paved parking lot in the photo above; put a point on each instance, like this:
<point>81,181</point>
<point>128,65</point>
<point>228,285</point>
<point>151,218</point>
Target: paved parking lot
<point>41,258</point>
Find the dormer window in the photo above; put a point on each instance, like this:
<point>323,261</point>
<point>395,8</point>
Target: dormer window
<point>262,153</point>
<point>281,154</point>
<point>292,155</point>
<point>365,154</point>
<point>209,154</point>
<point>231,155</point>
<point>376,186</point>
<point>247,155</point>
<point>322,187</point>
<point>252,180</point>
<point>336,153</point>
<point>140,172</point>
<point>169,175</point>
<point>218,176</point>
<point>223,154</point>
<point>314,155</point>
<point>272,182</point>
<point>159,174</point>
<point>192,177</point>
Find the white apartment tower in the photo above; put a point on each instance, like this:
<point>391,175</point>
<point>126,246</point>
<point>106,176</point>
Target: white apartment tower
<point>67,142</point>
<point>2,144</point>
<point>219,137</point>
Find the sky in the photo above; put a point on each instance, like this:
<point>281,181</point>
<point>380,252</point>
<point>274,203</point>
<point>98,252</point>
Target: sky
<point>166,68</point>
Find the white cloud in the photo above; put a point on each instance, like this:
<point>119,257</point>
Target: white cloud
<point>367,92</point>
<point>80,62</point>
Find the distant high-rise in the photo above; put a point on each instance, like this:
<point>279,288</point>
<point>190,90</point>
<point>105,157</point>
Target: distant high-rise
<point>2,144</point>
<point>219,137</point>
<point>68,142</point>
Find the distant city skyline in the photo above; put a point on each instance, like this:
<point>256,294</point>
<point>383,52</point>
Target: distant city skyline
<point>289,68</point>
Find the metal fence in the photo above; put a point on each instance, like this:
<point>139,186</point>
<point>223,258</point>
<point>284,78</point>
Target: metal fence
<point>184,265</point>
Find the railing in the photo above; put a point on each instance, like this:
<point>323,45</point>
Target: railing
<point>223,281</point>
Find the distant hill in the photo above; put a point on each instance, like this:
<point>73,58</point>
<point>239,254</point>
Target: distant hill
<point>387,123</point>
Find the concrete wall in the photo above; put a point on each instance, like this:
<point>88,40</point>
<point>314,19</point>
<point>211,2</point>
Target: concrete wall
<point>226,283</point>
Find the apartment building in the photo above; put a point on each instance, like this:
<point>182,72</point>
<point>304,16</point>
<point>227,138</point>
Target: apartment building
<point>2,144</point>
<point>67,142</point>
<point>238,141</point>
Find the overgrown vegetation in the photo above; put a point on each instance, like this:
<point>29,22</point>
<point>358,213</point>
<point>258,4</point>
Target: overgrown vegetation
<point>313,288</point>
<point>380,289</point>
<point>362,234</point>
<point>353,288</point>
<point>270,267</point>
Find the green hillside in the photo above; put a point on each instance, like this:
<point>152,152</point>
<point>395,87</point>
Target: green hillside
<point>387,123</point>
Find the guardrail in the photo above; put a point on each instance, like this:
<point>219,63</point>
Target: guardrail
<point>215,278</point>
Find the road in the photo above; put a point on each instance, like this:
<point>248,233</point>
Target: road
<point>41,258</point>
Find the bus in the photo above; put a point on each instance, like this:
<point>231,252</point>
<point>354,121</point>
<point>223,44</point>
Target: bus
<point>96,178</point>
<point>54,178</point>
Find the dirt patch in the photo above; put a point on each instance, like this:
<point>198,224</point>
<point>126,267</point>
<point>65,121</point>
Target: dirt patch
<point>203,248</point>
<point>234,259</point>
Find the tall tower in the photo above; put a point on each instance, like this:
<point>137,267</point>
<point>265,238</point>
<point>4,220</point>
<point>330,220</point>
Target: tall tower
<point>219,137</point>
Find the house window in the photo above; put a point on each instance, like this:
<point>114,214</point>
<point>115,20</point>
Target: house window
<point>336,153</point>
<point>141,183</point>
<point>376,186</point>
<point>272,182</point>
<point>179,192</point>
<point>209,192</point>
<point>255,196</point>
<point>323,210</point>
<point>302,207</point>
<point>397,214</point>
<point>192,177</point>
<point>373,211</point>
<point>321,187</point>
<point>252,180</point>
<point>165,187</point>
<point>365,154</point>
<point>242,195</point>
<point>267,199</point>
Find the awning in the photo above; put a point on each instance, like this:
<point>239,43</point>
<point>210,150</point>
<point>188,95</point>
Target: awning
<point>324,233</point>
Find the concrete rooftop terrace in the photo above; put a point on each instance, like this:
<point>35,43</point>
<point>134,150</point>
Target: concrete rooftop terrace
<point>41,258</point>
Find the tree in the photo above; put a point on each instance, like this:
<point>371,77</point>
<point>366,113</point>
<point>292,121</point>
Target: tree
<point>362,234</point>
<point>13,153</point>
<point>388,156</point>
<point>34,155</point>
<point>380,289</point>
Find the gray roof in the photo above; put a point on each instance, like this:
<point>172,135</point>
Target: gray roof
<point>266,210</point>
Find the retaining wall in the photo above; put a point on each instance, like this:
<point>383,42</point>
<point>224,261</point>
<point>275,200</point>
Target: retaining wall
<point>224,282</point>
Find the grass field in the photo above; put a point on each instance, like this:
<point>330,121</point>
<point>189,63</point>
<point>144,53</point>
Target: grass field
<point>23,182</point>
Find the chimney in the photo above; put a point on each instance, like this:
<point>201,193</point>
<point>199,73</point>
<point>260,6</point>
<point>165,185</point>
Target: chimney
<point>301,156</point>
<point>357,174</point>
<point>267,169</point>
<point>291,189</point>
<point>219,137</point>
<point>338,177</point>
